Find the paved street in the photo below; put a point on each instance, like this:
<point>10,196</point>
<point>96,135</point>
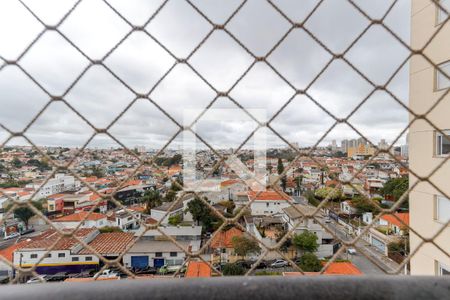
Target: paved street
<point>383,263</point>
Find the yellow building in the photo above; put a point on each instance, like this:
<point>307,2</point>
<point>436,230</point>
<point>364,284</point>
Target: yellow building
<point>360,150</point>
<point>429,208</point>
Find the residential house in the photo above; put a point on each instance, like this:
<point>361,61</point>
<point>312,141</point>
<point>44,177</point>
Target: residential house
<point>87,220</point>
<point>388,229</point>
<point>268,202</point>
<point>222,243</point>
<point>155,250</point>
<point>295,217</point>
<point>347,208</point>
<point>64,256</point>
<point>125,219</point>
<point>165,211</point>
<point>61,183</point>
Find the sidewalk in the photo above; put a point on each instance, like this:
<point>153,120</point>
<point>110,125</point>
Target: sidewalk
<point>381,260</point>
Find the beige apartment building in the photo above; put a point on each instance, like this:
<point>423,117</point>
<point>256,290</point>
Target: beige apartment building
<point>429,208</point>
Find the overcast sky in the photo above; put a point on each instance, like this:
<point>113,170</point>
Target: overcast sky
<point>139,61</point>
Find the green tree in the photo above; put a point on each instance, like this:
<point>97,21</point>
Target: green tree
<point>287,243</point>
<point>97,172</point>
<point>198,209</point>
<point>243,246</point>
<point>24,213</point>
<point>175,220</point>
<point>306,241</point>
<point>340,154</point>
<point>233,270</point>
<point>152,199</point>
<point>362,204</point>
<point>298,182</point>
<point>280,170</point>
<point>332,194</point>
<point>396,187</point>
<point>202,213</point>
<point>16,162</point>
<point>176,186</point>
<point>309,195</point>
<point>170,196</point>
<point>310,263</point>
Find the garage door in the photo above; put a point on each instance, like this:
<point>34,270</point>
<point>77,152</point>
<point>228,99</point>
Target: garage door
<point>158,262</point>
<point>139,261</point>
<point>378,244</point>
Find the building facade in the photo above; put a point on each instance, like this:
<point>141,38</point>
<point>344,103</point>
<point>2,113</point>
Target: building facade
<point>428,148</point>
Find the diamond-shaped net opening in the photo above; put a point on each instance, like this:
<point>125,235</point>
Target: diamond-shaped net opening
<point>130,139</point>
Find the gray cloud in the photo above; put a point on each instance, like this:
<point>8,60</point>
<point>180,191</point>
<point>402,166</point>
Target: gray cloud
<point>140,62</point>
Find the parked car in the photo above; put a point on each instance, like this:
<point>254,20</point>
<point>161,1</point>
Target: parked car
<point>328,220</point>
<point>12,236</point>
<point>38,279</point>
<point>262,265</point>
<point>27,231</point>
<point>107,274</point>
<point>219,266</point>
<point>279,263</point>
<point>351,251</point>
<point>243,263</point>
<point>171,269</point>
<point>145,270</point>
<point>60,276</point>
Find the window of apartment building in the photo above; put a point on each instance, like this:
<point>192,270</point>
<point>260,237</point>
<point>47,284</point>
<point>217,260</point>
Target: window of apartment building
<point>442,269</point>
<point>33,255</point>
<point>442,209</point>
<point>441,15</point>
<point>173,254</point>
<point>48,255</point>
<point>442,82</point>
<point>443,143</point>
<point>158,254</point>
<point>75,258</point>
<point>88,258</point>
<point>61,255</point>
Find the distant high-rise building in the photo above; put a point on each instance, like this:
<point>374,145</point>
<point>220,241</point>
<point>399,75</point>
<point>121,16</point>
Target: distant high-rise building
<point>333,145</point>
<point>344,146</point>
<point>382,145</point>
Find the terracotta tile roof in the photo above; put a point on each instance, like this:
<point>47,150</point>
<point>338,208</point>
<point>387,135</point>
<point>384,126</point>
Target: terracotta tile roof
<point>46,239</point>
<point>198,269</point>
<point>342,268</point>
<point>228,182</point>
<point>54,196</point>
<point>90,179</point>
<point>7,253</point>
<point>132,182</point>
<point>137,208</point>
<point>94,197</point>
<point>393,220</point>
<point>335,268</point>
<point>268,195</point>
<point>150,221</point>
<point>224,238</point>
<point>81,216</point>
<point>110,243</point>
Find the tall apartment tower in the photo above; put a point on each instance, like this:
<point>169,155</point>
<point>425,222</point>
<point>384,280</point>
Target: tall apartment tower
<point>428,148</point>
